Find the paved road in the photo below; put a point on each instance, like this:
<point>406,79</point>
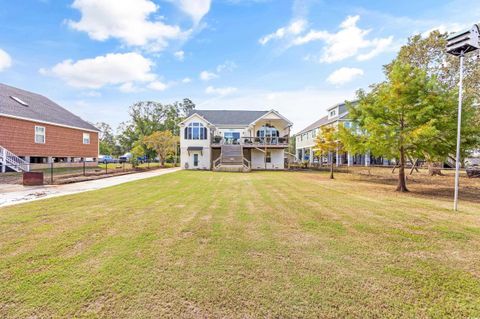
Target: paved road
<point>15,194</point>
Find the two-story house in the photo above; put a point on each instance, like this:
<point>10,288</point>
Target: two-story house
<point>305,141</point>
<point>234,140</point>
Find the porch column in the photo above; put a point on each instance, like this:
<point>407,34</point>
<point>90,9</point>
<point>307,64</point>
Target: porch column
<point>349,159</point>
<point>50,160</point>
<point>339,158</point>
<point>311,155</point>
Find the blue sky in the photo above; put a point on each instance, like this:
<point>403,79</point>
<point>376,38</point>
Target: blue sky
<point>97,57</point>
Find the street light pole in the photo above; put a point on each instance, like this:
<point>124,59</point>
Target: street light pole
<point>458,45</point>
<point>459,133</point>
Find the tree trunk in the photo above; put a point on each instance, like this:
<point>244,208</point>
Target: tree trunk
<point>402,183</point>
<point>162,161</point>
<point>331,170</point>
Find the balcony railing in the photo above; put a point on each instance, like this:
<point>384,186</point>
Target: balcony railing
<point>252,141</point>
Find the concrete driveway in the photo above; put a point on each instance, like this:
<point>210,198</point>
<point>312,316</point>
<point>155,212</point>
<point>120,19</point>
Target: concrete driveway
<point>15,194</point>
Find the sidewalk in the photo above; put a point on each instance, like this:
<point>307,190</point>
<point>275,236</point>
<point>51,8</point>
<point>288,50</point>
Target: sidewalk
<point>15,194</point>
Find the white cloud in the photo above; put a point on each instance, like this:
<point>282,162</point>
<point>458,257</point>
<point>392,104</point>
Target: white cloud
<point>5,60</point>
<point>349,41</point>
<point>207,76</point>
<point>294,28</point>
<point>157,86</point>
<point>110,69</point>
<point>126,20</point>
<point>186,80</point>
<point>196,9</point>
<point>344,75</point>
<point>128,87</point>
<point>179,55</point>
<point>220,91</point>
<point>227,66</point>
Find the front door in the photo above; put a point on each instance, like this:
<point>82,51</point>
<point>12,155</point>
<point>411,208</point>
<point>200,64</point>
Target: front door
<point>195,160</point>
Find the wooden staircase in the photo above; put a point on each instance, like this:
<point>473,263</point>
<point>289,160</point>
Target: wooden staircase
<point>231,159</point>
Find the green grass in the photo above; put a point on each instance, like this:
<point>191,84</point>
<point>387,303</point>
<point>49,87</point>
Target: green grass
<point>263,244</point>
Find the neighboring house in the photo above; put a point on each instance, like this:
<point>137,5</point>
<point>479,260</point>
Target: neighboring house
<point>305,141</point>
<point>234,140</point>
<point>34,129</point>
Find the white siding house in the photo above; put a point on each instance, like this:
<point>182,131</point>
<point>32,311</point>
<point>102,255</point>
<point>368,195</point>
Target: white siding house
<point>305,141</point>
<point>234,140</point>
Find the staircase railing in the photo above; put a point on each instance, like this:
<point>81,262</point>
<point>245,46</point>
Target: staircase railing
<point>216,163</point>
<point>8,159</point>
<point>247,165</point>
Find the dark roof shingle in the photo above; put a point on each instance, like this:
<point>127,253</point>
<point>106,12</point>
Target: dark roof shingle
<point>39,108</point>
<point>228,117</point>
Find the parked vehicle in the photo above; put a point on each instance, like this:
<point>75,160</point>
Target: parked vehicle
<point>125,158</point>
<point>107,159</point>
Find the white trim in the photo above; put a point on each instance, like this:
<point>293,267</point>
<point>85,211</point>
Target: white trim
<point>44,134</point>
<point>274,112</point>
<point>46,122</point>
<point>182,123</point>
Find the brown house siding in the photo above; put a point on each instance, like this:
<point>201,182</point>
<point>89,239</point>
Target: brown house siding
<point>18,136</point>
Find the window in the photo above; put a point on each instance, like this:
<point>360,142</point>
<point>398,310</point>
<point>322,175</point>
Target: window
<point>333,113</point>
<point>195,160</point>
<point>268,131</point>
<point>195,131</point>
<point>268,157</point>
<point>231,137</point>
<point>86,138</point>
<point>40,134</point>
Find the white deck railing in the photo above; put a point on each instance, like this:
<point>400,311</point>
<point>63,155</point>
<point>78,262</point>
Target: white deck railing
<point>8,159</point>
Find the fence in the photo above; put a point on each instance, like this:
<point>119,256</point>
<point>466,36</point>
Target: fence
<point>61,173</point>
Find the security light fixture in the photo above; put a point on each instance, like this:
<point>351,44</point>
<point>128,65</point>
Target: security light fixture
<point>463,42</point>
<point>458,45</point>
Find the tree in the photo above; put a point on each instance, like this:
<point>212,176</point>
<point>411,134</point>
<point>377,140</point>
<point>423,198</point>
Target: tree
<point>164,143</point>
<point>147,117</point>
<point>408,115</point>
<point>429,54</point>
<point>106,138</point>
<point>327,142</point>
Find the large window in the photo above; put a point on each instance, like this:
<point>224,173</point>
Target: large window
<point>40,134</point>
<point>86,138</point>
<point>268,131</point>
<point>195,131</point>
<point>231,137</point>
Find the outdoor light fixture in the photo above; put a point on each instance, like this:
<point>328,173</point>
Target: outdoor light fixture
<point>457,45</point>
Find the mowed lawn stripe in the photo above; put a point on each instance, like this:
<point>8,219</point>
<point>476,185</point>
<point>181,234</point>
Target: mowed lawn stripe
<point>264,244</point>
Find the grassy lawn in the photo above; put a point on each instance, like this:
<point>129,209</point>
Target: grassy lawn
<point>263,244</point>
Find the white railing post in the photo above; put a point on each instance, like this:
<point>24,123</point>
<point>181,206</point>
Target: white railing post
<point>4,160</point>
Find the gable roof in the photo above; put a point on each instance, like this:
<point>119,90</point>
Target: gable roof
<point>38,108</point>
<point>228,117</point>
<point>314,125</point>
<point>324,120</point>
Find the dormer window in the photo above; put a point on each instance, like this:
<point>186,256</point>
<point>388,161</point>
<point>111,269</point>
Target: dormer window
<point>18,100</point>
<point>333,113</point>
<point>195,131</point>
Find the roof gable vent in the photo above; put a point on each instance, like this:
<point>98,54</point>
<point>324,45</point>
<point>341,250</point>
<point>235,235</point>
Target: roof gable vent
<point>16,99</point>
